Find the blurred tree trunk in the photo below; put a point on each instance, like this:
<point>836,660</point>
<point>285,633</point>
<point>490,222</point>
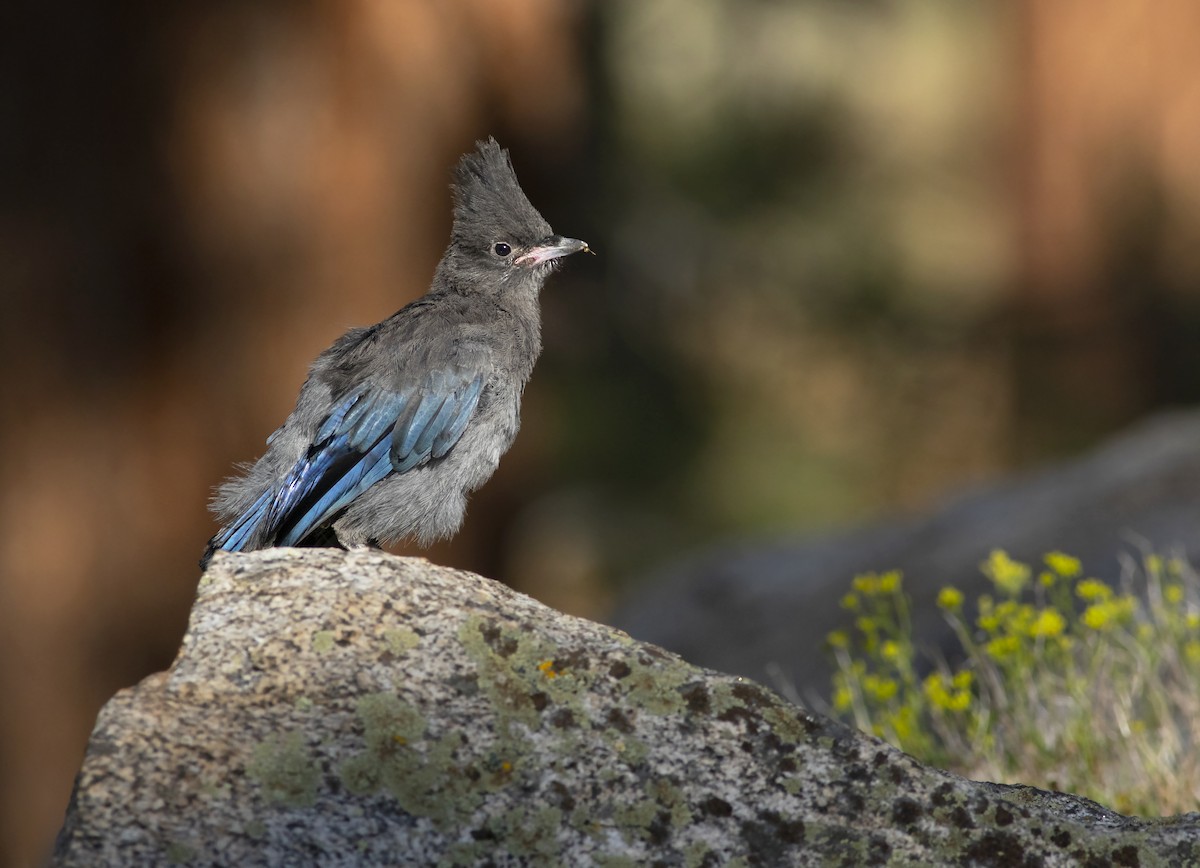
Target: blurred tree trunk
<point>197,198</point>
<point>1109,213</point>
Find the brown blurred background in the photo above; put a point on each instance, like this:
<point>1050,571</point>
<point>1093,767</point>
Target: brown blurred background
<point>853,257</point>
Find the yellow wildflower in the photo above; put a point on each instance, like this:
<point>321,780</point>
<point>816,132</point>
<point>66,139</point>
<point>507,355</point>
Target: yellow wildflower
<point>1108,613</point>
<point>1173,594</point>
<point>838,639</point>
<point>866,584</point>
<point>1009,616</point>
<point>1098,616</point>
<point>1016,616</point>
<point>940,696</point>
<point>1192,620</point>
<point>1093,589</point>
<point>1049,622</point>
<point>960,700</point>
<point>990,623</point>
<point>902,722</point>
<point>879,688</point>
<point>933,681</point>
<point>866,625</point>
<point>850,602</point>
<point>1002,647</point>
<point>842,698</point>
<point>890,650</point>
<point>950,599</point>
<point>1191,650</point>
<point>1066,566</point>
<point>889,582</point>
<point>1006,574</point>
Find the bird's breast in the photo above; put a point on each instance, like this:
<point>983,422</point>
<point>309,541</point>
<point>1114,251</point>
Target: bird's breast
<point>489,435</point>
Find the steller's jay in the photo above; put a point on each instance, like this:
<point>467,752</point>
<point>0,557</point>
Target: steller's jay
<point>397,423</point>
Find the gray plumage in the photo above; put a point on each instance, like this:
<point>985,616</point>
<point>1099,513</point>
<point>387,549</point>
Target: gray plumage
<point>397,423</point>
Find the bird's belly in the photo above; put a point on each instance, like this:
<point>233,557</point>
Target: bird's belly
<point>477,455</point>
<point>428,502</point>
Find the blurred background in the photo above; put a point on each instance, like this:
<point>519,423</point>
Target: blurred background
<point>853,257</point>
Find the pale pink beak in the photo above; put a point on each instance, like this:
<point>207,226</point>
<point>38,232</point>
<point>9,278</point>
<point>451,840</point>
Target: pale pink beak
<point>554,247</point>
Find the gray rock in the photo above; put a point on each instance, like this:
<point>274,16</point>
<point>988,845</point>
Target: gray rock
<point>762,608</point>
<point>332,708</point>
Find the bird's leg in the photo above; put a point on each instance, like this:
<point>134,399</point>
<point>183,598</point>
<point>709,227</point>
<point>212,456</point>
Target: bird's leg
<point>325,538</point>
<point>352,540</point>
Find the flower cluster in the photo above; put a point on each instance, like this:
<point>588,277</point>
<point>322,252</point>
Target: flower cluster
<point>1062,679</point>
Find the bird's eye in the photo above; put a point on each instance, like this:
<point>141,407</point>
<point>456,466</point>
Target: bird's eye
<point>502,249</point>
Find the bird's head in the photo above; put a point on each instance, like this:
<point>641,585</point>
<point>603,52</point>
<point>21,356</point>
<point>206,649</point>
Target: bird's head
<point>498,236</point>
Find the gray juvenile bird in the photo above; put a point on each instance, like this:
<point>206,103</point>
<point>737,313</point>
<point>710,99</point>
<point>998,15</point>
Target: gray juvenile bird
<point>398,423</point>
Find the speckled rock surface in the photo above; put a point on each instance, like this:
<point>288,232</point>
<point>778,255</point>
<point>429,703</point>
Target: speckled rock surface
<point>361,709</point>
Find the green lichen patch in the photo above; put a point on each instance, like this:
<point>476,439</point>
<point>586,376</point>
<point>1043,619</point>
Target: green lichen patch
<point>671,797</point>
<point>792,726</point>
<point>213,788</point>
<point>388,721</point>
<point>723,698</point>
<point>654,685</point>
<point>655,817</point>
<point>633,818</point>
<point>179,853</point>
<point>284,767</point>
<point>530,833</point>
<point>695,854</point>
<point>524,674</point>
<point>617,860</point>
<point>389,726</point>
<point>360,775</point>
<point>464,853</point>
<point>629,750</point>
<point>441,777</point>
<point>323,641</point>
<point>433,784</point>
<point>400,640</point>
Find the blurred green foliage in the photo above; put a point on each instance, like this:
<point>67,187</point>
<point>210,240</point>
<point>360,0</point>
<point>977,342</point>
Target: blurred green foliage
<point>801,264</point>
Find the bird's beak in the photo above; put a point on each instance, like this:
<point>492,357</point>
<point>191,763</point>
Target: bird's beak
<point>554,247</point>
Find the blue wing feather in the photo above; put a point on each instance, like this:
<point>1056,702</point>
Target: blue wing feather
<point>406,436</point>
<point>456,425</point>
<point>369,435</point>
<point>436,426</point>
<point>234,537</point>
<point>328,472</point>
<point>369,469</point>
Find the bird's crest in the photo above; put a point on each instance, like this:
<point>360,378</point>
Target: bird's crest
<point>488,200</point>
